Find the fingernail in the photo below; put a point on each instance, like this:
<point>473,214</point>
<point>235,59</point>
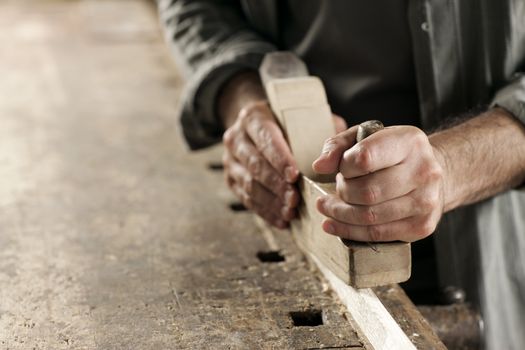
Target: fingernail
<point>328,227</point>
<point>288,197</point>
<point>327,148</point>
<point>285,211</point>
<point>320,203</point>
<point>322,156</point>
<point>290,174</point>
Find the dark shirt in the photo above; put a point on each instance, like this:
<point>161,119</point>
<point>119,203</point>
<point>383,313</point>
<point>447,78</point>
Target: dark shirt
<point>338,40</point>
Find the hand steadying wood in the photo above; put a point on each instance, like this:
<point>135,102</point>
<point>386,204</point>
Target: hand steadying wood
<point>300,105</point>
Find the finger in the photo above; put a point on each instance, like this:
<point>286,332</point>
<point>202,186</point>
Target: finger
<point>246,153</point>
<point>407,230</point>
<point>268,216</point>
<point>339,123</point>
<point>381,150</point>
<point>262,201</point>
<point>377,187</point>
<point>333,149</point>
<point>239,192</point>
<point>386,212</point>
<point>269,140</point>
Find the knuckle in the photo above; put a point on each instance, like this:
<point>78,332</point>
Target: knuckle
<point>227,137</point>
<point>255,165</point>
<point>337,211</point>
<point>253,110</point>
<point>345,196</point>
<point>426,228</point>
<point>369,195</point>
<point>427,203</point>
<point>363,159</point>
<point>331,144</point>
<point>248,184</point>
<point>431,172</point>
<point>341,189</point>
<point>418,136</point>
<point>264,139</point>
<point>436,173</point>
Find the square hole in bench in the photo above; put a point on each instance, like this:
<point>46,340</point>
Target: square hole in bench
<point>271,256</point>
<point>307,318</point>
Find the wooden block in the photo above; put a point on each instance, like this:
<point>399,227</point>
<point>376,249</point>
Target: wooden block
<point>299,125</point>
<point>281,65</point>
<point>355,263</point>
<point>300,92</point>
<point>299,102</point>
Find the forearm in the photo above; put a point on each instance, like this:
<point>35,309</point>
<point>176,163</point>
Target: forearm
<point>240,91</point>
<point>481,157</point>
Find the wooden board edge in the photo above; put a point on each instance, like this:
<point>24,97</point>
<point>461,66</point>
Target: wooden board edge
<point>374,321</point>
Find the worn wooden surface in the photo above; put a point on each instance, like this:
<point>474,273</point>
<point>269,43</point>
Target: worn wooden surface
<point>371,323</point>
<point>113,236</point>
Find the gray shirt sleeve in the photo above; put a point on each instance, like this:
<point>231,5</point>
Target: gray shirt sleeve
<point>512,97</point>
<point>212,41</point>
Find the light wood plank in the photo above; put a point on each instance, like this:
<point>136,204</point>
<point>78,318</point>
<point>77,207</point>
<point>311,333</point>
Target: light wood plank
<point>374,321</point>
<point>300,124</point>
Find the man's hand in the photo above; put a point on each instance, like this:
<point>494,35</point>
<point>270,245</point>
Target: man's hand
<point>259,166</point>
<point>258,163</point>
<point>389,187</point>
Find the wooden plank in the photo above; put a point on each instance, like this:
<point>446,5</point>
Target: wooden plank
<point>300,124</point>
<point>300,105</point>
<point>408,317</point>
<point>374,321</point>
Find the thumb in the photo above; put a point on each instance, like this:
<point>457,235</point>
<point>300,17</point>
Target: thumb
<point>333,149</point>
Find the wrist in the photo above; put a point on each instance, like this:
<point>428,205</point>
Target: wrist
<point>480,157</point>
<point>449,196</point>
<point>242,89</point>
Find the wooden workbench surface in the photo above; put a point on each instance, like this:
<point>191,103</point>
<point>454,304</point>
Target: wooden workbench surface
<point>113,236</point>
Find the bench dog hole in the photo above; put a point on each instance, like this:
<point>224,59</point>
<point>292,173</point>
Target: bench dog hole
<point>307,318</point>
<point>271,256</point>
<point>215,166</point>
<point>237,206</point>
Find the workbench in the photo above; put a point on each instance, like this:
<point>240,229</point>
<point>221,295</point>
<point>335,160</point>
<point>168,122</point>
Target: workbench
<point>113,235</point>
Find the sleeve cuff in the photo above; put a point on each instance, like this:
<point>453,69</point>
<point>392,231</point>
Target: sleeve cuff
<point>200,123</point>
<point>512,98</point>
